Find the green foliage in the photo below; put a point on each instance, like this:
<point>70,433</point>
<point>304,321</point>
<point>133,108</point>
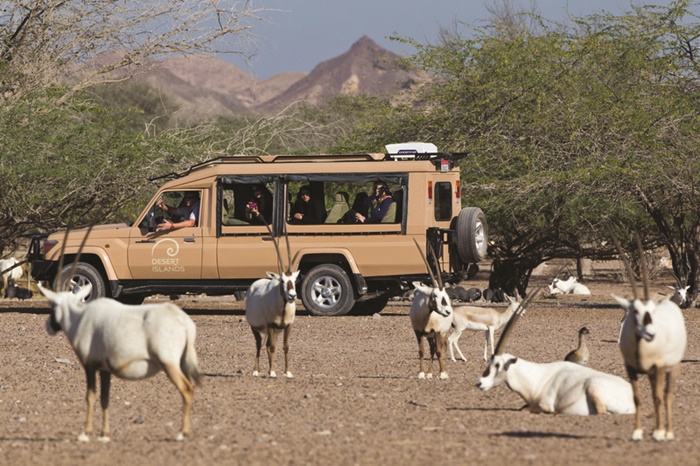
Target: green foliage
<point>568,129</point>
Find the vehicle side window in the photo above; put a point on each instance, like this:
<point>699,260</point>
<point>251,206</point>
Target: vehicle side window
<point>246,204</point>
<point>443,201</point>
<point>343,202</point>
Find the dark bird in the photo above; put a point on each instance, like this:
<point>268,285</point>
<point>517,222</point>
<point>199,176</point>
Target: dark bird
<point>580,355</point>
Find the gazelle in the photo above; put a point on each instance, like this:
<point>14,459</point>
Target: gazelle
<point>479,318</point>
<point>558,387</point>
<point>270,308</point>
<point>431,317</point>
<point>653,339</point>
<point>131,342</point>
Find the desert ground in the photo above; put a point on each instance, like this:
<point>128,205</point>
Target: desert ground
<point>355,397</point>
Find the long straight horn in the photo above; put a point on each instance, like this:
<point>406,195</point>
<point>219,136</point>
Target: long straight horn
<point>437,267</point>
<point>277,247</point>
<point>643,267</point>
<point>80,251</point>
<point>513,320</point>
<point>289,251</point>
<point>628,267</point>
<point>57,283</point>
<point>427,265</point>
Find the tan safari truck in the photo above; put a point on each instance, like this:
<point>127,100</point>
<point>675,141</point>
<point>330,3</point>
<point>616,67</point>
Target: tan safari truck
<point>346,265</point>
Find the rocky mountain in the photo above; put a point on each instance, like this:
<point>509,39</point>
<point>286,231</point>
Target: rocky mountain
<point>205,87</point>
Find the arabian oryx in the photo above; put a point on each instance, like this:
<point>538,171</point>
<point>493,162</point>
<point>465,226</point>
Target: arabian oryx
<point>11,271</point>
<point>568,286</point>
<point>431,317</point>
<point>652,341</point>
<point>270,308</point>
<point>560,387</point>
<point>131,342</point>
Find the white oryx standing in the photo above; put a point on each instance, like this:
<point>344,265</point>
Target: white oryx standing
<point>560,387</point>
<point>431,317</point>
<point>130,342</point>
<point>270,308</point>
<point>11,271</point>
<point>652,341</point>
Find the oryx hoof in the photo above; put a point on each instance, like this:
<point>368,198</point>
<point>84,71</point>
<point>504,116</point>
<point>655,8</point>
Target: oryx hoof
<point>429,375</point>
<point>273,375</point>
<point>103,439</point>
<point>83,437</point>
<point>669,436</point>
<point>288,375</point>
<point>659,435</point>
<point>421,375</point>
<point>637,435</point>
<point>256,373</point>
<point>179,437</point>
<point>443,375</point>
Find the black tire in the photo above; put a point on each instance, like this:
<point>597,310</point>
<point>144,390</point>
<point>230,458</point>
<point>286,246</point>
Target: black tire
<point>84,273</point>
<point>472,235</point>
<point>370,306</point>
<point>133,299</point>
<point>327,291</point>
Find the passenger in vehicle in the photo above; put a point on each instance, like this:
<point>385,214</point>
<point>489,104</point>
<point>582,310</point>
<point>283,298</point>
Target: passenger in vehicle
<point>260,204</point>
<point>377,213</point>
<point>185,215</point>
<point>306,210</point>
<point>340,207</point>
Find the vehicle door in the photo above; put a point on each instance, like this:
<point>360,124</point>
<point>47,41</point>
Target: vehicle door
<point>245,249</point>
<point>174,254</point>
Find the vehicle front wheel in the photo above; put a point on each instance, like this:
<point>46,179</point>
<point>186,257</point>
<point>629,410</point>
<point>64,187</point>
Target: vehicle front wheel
<point>327,291</point>
<point>84,273</point>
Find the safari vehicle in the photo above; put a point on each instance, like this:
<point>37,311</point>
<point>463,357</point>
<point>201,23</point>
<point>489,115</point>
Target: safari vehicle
<point>345,265</point>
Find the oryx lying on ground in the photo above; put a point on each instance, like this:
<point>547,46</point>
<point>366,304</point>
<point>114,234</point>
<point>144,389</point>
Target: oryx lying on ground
<point>431,317</point>
<point>558,387</point>
<point>270,308</point>
<point>11,271</point>
<point>568,286</point>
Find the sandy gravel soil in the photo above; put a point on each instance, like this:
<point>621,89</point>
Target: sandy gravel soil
<point>355,397</point>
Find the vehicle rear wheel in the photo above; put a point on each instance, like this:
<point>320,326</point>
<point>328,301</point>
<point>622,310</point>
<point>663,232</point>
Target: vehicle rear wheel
<point>472,235</point>
<point>327,291</point>
<point>84,273</point>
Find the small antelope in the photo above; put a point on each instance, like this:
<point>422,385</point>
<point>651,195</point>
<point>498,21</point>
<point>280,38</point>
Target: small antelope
<point>557,387</point>
<point>477,319</point>
<point>581,354</point>
<point>270,308</point>
<point>431,317</point>
<point>652,341</point>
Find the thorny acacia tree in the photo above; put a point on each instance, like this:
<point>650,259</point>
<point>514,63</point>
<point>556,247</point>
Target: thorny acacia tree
<point>569,129</point>
<point>43,42</point>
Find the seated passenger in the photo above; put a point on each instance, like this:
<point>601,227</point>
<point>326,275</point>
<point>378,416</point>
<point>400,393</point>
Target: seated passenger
<point>186,213</point>
<point>259,209</point>
<point>305,210</point>
<point>377,213</point>
<point>340,207</point>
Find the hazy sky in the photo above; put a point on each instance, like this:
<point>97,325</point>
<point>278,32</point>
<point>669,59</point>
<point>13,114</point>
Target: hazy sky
<point>300,34</point>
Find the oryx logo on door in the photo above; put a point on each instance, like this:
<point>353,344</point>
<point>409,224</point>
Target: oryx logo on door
<point>171,263</point>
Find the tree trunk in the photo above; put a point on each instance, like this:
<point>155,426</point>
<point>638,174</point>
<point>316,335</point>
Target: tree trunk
<point>511,275</point>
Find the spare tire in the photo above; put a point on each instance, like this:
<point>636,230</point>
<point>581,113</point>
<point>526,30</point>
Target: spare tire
<point>472,234</point>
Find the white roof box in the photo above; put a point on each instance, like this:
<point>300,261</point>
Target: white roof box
<point>411,148</point>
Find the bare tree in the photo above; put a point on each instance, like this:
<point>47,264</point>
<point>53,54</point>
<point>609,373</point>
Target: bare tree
<point>42,42</point>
